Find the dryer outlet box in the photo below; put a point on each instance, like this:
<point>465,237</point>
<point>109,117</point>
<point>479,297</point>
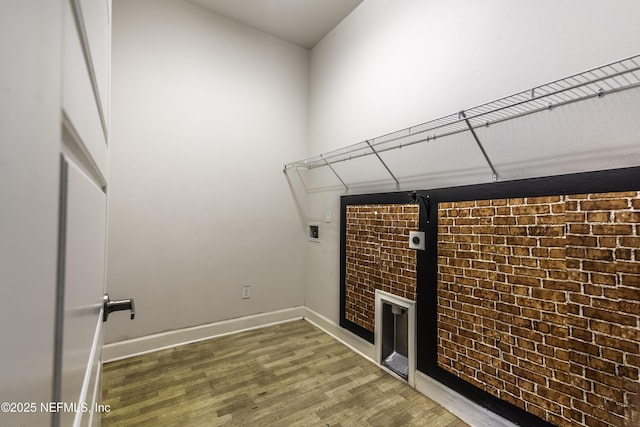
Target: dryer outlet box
<point>417,240</point>
<point>314,232</point>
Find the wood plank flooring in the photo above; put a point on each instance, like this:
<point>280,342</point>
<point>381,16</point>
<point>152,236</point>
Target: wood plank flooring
<point>292,374</point>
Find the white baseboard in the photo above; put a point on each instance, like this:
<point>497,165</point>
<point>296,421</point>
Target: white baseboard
<point>463,408</point>
<point>354,342</point>
<point>150,343</point>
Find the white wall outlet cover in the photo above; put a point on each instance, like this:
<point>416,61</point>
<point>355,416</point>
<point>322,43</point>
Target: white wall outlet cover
<point>417,240</point>
<point>246,292</point>
<point>327,216</point>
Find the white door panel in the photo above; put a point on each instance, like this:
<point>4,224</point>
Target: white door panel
<point>78,101</point>
<point>83,290</point>
<point>96,17</point>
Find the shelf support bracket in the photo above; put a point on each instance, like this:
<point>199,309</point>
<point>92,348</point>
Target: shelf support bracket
<point>385,165</point>
<point>494,173</point>
<point>334,172</point>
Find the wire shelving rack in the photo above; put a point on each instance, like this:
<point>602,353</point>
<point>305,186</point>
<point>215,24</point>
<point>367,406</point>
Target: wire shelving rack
<point>597,82</point>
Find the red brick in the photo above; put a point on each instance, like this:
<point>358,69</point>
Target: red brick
<point>608,242</point>
<point>536,304</point>
<point>632,217</point>
<point>582,334</point>
<point>606,304</point>
<point>548,295</point>
<point>630,242</point>
<point>603,205</point>
<point>381,265</point>
<point>623,293</point>
<point>628,267</point>
<point>574,217</point>
<point>543,200</point>
<point>550,219</point>
<point>580,228</point>
<point>603,279</point>
<point>630,280</point>
<point>618,344</point>
<point>528,279</point>
<point>624,254</point>
<point>530,209</point>
<point>553,242</point>
<point>579,240</point>
<point>599,266</point>
<point>618,230</point>
<point>598,217</point>
<point>614,195</point>
<point>599,254</point>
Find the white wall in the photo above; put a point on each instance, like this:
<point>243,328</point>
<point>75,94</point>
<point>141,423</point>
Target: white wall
<point>204,114</point>
<point>205,111</point>
<point>393,64</point>
<point>30,126</point>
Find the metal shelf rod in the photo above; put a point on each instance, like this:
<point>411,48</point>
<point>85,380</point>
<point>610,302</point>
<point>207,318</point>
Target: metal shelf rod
<point>494,175</point>
<point>385,165</point>
<point>335,173</point>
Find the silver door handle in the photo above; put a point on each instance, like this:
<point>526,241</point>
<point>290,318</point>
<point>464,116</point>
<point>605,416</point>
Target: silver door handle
<point>110,306</point>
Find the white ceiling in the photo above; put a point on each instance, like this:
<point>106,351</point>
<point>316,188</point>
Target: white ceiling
<point>302,22</point>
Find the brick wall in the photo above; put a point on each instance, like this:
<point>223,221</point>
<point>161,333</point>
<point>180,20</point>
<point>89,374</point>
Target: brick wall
<point>539,303</point>
<point>378,257</point>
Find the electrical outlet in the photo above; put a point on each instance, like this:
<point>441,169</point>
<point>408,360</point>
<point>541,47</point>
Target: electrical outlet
<point>246,292</point>
<point>417,240</point>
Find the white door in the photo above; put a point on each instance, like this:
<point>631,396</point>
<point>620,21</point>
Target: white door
<point>54,93</point>
<point>83,204</point>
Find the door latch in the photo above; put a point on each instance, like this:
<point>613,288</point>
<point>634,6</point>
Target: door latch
<point>111,306</point>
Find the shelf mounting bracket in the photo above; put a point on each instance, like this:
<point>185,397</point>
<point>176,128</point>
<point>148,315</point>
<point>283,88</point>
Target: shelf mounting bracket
<point>334,172</point>
<point>494,173</point>
<point>384,164</point>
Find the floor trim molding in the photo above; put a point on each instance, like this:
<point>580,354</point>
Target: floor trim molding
<point>463,408</point>
<point>354,342</point>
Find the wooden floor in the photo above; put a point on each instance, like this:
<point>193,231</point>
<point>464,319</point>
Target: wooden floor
<point>284,375</point>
